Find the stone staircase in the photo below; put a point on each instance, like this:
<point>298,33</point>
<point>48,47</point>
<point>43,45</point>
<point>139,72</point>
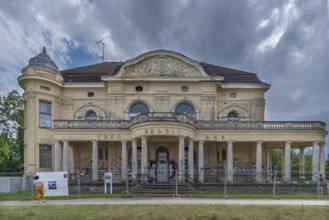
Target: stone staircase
<point>162,189</point>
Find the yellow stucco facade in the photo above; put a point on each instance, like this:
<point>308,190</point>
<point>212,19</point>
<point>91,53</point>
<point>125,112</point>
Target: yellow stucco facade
<point>160,107</point>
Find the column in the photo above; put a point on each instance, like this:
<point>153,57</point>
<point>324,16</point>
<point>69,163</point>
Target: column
<point>259,162</point>
<point>134,158</point>
<point>181,156</point>
<point>58,156</point>
<point>301,163</point>
<point>322,162</point>
<point>124,163</point>
<point>282,164</point>
<point>65,155</point>
<point>95,160</point>
<point>287,160</point>
<point>72,159</point>
<point>190,160</point>
<point>269,164</point>
<point>315,161</point>
<point>144,160</point>
<point>201,162</point>
<point>230,161</point>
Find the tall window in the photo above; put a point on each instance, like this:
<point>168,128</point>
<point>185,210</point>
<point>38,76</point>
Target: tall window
<point>45,155</point>
<point>138,108</point>
<point>186,108</point>
<point>45,114</point>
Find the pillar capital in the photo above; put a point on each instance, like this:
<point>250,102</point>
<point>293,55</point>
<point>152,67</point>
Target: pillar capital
<point>230,142</point>
<point>181,137</point>
<point>288,142</point>
<point>94,141</point>
<point>65,141</point>
<point>201,141</point>
<point>259,142</point>
<point>124,142</point>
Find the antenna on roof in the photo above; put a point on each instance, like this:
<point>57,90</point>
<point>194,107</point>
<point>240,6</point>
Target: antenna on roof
<point>104,45</point>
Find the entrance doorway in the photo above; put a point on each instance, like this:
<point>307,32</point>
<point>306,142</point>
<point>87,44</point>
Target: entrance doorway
<point>162,171</point>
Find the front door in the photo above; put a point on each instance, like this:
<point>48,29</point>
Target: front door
<point>162,167</point>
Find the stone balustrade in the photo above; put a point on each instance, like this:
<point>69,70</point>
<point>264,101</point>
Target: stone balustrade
<point>187,119</point>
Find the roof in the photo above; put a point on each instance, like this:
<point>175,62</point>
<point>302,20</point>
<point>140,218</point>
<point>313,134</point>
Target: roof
<point>43,60</point>
<point>93,73</point>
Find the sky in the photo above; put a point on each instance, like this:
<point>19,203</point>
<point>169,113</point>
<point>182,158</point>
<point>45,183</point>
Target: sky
<point>285,42</point>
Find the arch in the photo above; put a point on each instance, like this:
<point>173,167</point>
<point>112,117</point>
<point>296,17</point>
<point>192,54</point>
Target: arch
<point>231,111</point>
<point>186,107</point>
<point>82,112</point>
<point>137,108</point>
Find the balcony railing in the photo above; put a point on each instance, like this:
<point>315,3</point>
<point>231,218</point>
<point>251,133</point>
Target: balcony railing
<point>189,120</point>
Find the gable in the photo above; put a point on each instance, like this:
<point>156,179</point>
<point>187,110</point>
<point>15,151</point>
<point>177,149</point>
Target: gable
<point>162,64</point>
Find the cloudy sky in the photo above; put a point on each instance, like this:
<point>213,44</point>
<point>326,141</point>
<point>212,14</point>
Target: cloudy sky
<point>285,41</point>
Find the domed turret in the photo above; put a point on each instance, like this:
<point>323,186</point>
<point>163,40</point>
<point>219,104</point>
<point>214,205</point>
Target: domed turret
<point>43,60</point>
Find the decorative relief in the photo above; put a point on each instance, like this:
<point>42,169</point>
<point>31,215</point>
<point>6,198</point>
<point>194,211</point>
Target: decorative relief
<point>160,66</point>
<point>208,98</point>
<point>161,98</point>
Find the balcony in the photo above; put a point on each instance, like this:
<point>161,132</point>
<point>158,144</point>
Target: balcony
<point>189,120</point>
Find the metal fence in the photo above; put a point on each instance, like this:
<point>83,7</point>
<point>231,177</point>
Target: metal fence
<point>215,183</point>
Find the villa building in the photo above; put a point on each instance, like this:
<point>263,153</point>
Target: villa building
<point>155,113</point>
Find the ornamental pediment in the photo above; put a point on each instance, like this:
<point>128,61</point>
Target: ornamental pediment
<point>162,65</point>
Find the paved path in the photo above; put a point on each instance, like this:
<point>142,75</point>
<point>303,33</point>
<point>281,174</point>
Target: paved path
<point>150,201</point>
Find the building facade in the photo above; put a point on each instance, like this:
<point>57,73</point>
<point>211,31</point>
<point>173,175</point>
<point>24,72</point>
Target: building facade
<point>153,114</point>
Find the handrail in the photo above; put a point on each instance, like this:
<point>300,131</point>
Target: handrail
<point>181,118</point>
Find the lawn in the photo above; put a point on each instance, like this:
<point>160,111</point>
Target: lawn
<point>146,212</point>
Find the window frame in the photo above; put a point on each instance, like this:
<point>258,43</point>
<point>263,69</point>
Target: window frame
<point>45,114</point>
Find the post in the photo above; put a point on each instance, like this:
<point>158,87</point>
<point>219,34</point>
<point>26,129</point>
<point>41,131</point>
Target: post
<point>318,196</point>
<point>274,184</point>
<point>225,185</point>
<point>127,183</point>
<point>176,195</point>
<point>78,179</point>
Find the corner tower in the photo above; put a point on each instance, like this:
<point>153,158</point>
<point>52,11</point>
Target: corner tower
<point>42,83</point>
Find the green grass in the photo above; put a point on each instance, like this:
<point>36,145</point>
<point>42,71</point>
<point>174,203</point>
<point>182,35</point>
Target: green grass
<point>24,196</point>
<point>146,212</point>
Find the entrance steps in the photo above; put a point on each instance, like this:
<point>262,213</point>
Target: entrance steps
<point>162,189</point>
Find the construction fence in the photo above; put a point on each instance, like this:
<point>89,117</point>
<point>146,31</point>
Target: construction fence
<point>214,183</point>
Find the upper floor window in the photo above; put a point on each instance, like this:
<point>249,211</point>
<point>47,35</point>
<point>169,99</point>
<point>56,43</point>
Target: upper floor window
<point>139,88</point>
<point>44,114</point>
<point>90,94</point>
<point>186,108</point>
<point>184,88</point>
<point>138,108</point>
<point>91,115</point>
<point>232,116</point>
<point>45,88</point>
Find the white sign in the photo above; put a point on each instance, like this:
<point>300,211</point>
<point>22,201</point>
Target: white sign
<point>107,179</point>
<point>56,183</point>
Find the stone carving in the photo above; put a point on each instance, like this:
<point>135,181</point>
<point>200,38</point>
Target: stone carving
<point>161,66</point>
<point>81,112</point>
<point>208,98</point>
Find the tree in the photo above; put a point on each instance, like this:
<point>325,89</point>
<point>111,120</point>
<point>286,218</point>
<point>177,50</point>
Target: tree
<point>11,132</point>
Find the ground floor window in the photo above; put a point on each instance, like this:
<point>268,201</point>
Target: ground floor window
<point>45,155</point>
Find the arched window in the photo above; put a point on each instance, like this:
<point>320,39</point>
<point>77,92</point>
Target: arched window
<point>138,108</point>
<point>186,108</point>
<point>91,115</point>
<point>232,116</point>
